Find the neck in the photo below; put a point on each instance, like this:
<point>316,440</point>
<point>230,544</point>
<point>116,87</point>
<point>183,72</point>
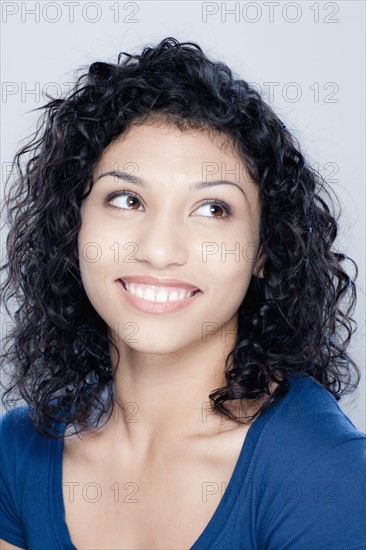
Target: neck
<point>164,397</point>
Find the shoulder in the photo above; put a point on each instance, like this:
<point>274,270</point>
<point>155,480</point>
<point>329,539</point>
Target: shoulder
<point>20,439</point>
<point>13,422</point>
<point>305,425</point>
<point>314,459</point>
<point>322,505</point>
<point>310,414</point>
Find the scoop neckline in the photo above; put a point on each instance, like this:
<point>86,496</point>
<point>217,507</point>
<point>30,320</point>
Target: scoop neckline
<point>213,527</point>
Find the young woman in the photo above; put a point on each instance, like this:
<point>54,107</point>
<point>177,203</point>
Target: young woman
<point>180,340</point>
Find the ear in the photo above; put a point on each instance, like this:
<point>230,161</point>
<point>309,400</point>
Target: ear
<point>258,270</point>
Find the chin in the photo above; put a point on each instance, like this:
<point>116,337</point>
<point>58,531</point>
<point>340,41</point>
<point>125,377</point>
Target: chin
<point>154,344</point>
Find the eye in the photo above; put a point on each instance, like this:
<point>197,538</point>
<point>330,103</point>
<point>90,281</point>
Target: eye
<point>217,205</point>
<point>130,201</point>
<point>129,204</point>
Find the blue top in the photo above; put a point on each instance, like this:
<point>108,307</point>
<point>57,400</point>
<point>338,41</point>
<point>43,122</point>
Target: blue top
<point>299,482</point>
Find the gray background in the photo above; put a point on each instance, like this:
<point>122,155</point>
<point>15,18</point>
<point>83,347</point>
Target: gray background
<point>307,58</point>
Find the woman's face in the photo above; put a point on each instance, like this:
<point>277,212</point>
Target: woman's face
<point>163,227</point>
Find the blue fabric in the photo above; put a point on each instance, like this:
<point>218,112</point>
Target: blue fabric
<point>299,482</point>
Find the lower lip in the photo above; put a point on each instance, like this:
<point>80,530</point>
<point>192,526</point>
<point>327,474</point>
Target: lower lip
<point>156,307</point>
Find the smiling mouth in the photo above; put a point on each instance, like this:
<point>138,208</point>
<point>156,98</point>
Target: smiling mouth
<point>158,294</point>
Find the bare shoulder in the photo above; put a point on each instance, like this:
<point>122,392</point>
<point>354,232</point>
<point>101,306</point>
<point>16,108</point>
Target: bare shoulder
<point>7,546</point>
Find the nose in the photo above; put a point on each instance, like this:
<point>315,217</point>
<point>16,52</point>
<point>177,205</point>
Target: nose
<point>162,241</point>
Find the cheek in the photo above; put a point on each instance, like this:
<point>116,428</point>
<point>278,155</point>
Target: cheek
<point>230,260</point>
<point>92,250</point>
<point>233,281</point>
<point>94,241</point>
<point>229,271</point>
<point>105,241</point>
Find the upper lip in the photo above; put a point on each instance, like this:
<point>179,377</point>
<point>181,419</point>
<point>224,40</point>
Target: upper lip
<point>149,280</point>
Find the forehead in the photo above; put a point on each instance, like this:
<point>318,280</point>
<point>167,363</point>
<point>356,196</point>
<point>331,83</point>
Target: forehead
<point>163,157</point>
<point>163,153</point>
<point>161,138</point>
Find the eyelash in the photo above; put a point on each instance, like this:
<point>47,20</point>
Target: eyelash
<point>216,201</point>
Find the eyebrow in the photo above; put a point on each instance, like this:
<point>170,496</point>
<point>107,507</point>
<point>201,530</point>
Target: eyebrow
<point>130,178</point>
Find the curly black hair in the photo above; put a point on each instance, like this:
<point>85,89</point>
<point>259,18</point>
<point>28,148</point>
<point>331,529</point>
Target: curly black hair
<point>294,319</point>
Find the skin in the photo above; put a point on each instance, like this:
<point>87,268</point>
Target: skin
<point>164,378</point>
<point>6,546</point>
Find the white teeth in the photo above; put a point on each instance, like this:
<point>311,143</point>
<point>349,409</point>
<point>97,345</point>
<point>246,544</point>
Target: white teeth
<point>139,292</point>
<point>162,296</point>
<point>173,296</point>
<point>159,295</point>
<point>149,294</point>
